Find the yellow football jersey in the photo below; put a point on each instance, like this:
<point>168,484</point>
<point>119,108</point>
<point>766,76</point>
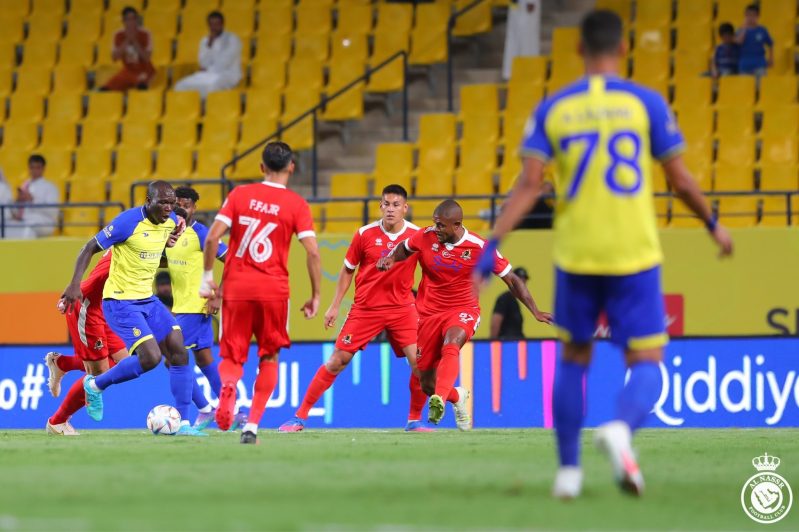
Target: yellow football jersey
<point>186,269</point>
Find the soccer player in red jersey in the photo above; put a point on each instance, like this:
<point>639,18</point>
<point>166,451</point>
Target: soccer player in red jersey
<point>94,343</point>
<point>449,310</point>
<point>261,218</point>
<point>383,301</point>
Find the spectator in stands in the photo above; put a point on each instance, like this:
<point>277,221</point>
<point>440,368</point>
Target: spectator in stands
<point>133,45</point>
<point>507,320</point>
<point>219,58</point>
<point>27,221</point>
<point>757,48</point>
<point>5,191</point>
<point>522,32</point>
<point>727,55</point>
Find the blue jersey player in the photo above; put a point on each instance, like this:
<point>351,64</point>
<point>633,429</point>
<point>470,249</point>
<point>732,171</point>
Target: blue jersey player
<point>138,236</point>
<point>603,133</point>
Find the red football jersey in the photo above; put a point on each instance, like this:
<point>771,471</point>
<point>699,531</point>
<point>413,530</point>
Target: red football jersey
<point>262,218</point>
<point>447,281</point>
<point>375,289</point>
<point>92,287</point>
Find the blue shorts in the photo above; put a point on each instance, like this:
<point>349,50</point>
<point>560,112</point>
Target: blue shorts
<point>198,330</point>
<point>633,305</point>
<point>138,320</point>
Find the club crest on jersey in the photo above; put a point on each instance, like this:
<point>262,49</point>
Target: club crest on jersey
<point>378,241</point>
<point>185,242</point>
<point>467,254</point>
<point>465,318</point>
<point>446,254</point>
<point>390,245</point>
<point>347,339</point>
<point>145,234</point>
<point>136,332</point>
<point>98,345</point>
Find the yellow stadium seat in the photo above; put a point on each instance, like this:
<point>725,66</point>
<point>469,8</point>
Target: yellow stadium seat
<point>69,79</point>
<point>15,166</point>
<point>49,7</point>
<point>6,78</point>
<point>692,92</point>
<point>223,105</point>
<point>248,167</point>
<point>315,46</point>
<point>299,136</point>
<point>469,180</point>
<point>653,12</point>
<point>774,211</point>
<point>695,36</point>
<point>394,18</point>
<point>477,20</point>
<point>173,163</point>
<point>26,107</point>
<point>33,80</point>
<point>343,216</point>
<point>650,67</point>
<point>349,47</point>
<point>431,181</point>
<point>75,52</point>
<point>176,133</point>
<point>393,164</point>
<point>58,135</point>
<point>659,182</point>
<point>521,99</point>
<point>734,122</point>
<point>349,185</point>
<point>211,194</point>
<point>479,157</point>
<point>778,177</point>
<point>736,151</point>
<point>736,91</point>
<point>104,49</point>
<point>45,28</point>
<point>139,133</point>
<point>697,10</point>
<point>779,149</point>
<point>23,136</point>
<point>119,191</point>
<point>733,178</point>
<point>737,211</point>
<point>182,106</point>
<point>730,10</point>
<point>355,20</point>
<point>683,217</point>
<point>132,164</point>
<point>312,20</point>
<point>84,26</point>
<point>104,106</point>
<point>689,64</point>
<point>299,101</point>
<point>696,124</point>
<point>699,163</point>
<point>86,7</point>
<point>239,20</point>
<point>86,189</point>
<point>482,127</point>
<point>59,164</point>
<point>623,8</point>
<point>200,6</point>
<point>161,23</point>
<point>12,8</point>
<point>186,52</point>
<point>209,161</point>
<point>81,222</point>
<point>652,38</point>
<point>437,129</point>
<point>254,130</point>
<point>304,74</point>
<point>262,104</point>
<point>348,105</point>
<point>429,35</point>
<point>98,134</point>
<point>273,49</point>
<point>275,20</point>
<point>479,99</point>
<point>564,71</point>
<point>529,70</point>
<point>267,76</point>
<point>565,41</point>
<point>775,90</point>
<point>92,163</point>
<point>144,106</point>
<point>39,54</point>
<point>218,134</point>
<point>390,78</point>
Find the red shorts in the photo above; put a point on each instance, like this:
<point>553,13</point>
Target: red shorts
<point>361,326</point>
<point>433,328</point>
<point>268,321</point>
<point>91,336</point>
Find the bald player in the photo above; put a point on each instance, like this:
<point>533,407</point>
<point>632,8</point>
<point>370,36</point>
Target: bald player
<point>144,324</point>
<point>449,311</point>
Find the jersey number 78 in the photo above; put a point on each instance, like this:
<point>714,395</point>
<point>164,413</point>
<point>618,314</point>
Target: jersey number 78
<point>590,142</point>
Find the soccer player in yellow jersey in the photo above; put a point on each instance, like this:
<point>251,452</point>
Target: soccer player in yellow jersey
<point>139,236</point>
<point>603,133</point>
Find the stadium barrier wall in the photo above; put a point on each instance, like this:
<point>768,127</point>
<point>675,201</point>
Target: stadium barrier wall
<point>754,293</point>
<point>719,382</point>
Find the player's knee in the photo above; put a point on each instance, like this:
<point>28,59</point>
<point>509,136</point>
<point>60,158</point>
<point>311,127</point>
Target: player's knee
<point>148,359</point>
<point>179,358</point>
<point>336,363</point>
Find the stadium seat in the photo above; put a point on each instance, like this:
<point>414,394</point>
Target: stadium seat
<point>81,222</point>
<point>694,36</point>
<point>689,64</point>
<point>529,70</point>
<point>737,211</point>
<point>429,35</point>
<point>248,167</point>
<point>117,6</point>
<point>736,91</point>
<point>774,211</point>
<point>59,135</point>
<point>86,7</point>
<point>262,104</point>
<point>74,52</point>
<point>393,164</point>
<point>355,20</point>
<point>86,189</point>
<point>69,79</point>
<point>735,122</point>
<point>48,7</point>
<point>59,164</point>
<point>239,20</point>
<point>161,23</point>
<point>26,107</point>
<point>734,178</point>
<point>86,26</point>
<point>394,18</point>
<point>139,134</point>
<point>315,46</point>
<point>254,130</point>
<point>44,28</point>
<point>269,77</point>
<point>219,134</point>
<point>350,185</point>
<point>564,42</point>
<point>698,161</point>
<point>435,169</point>
<point>623,8</point>
<point>304,74</point>
<point>436,128</point>
<point>691,92</point>
<point>275,20</point>
<point>348,105</point>
<point>104,106</point>
<point>697,10</point>
<point>391,77</point>
<point>650,67</point>
<point>132,164</point>
<point>349,47</point>
<point>211,194</point>
<point>13,9</point>
<point>223,105</point>
<point>775,90</point>
<point>421,212</point>
<point>564,71</point>
<point>209,161</point>
<point>779,177</point>
<point>312,20</point>
<point>479,99</point>
<point>144,106</point>
<point>683,217</point>
<point>779,149</point>
<point>182,106</point>
<point>15,166</point>
<point>33,80</point>
<point>173,163</point>
<point>6,78</point>
<point>652,38</point>
<point>736,151</point>
<point>730,10</point>
<point>186,51</point>
<point>477,20</point>
<point>343,216</point>
<point>98,134</point>
<point>92,163</point>
<point>176,133</point>
<point>471,180</point>
<point>653,12</point>
<point>22,136</point>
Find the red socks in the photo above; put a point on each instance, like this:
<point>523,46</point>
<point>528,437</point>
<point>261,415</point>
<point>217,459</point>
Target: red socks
<point>418,399</point>
<point>69,363</point>
<point>230,372</point>
<point>448,369</point>
<point>453,396</point>
<point>319,385</point>
<point>73,401</point>
<point>265,384</point>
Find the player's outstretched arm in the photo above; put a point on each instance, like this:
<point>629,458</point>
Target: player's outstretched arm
<point>522,198</point>
<point>685,187</point>
<point>72,292</point>
<point>313,261</point>
<point>218,229</point>
<point>519,290</point>
<point>342,285</point>
<point>398,254</point>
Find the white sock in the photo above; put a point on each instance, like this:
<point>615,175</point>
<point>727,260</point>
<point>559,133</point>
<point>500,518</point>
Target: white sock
<point>93,386</point>
<point>206,410</point>
<point>250,427</point>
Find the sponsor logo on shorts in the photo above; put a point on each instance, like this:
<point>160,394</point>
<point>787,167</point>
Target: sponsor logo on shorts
<point>347,340</point>
<point>465,318</point>
<point>98,345</point>
<point>766,497</point>
<point>467,254</point>
<point>136,332</point>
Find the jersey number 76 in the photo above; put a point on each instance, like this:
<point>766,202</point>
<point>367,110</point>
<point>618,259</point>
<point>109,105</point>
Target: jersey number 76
<point>259,246</point>
<point>590,142</point>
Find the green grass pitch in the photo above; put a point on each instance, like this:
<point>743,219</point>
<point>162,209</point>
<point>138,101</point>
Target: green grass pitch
<point>385,480</point>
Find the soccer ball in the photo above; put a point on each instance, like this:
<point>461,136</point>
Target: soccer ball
<point>163,419</point>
